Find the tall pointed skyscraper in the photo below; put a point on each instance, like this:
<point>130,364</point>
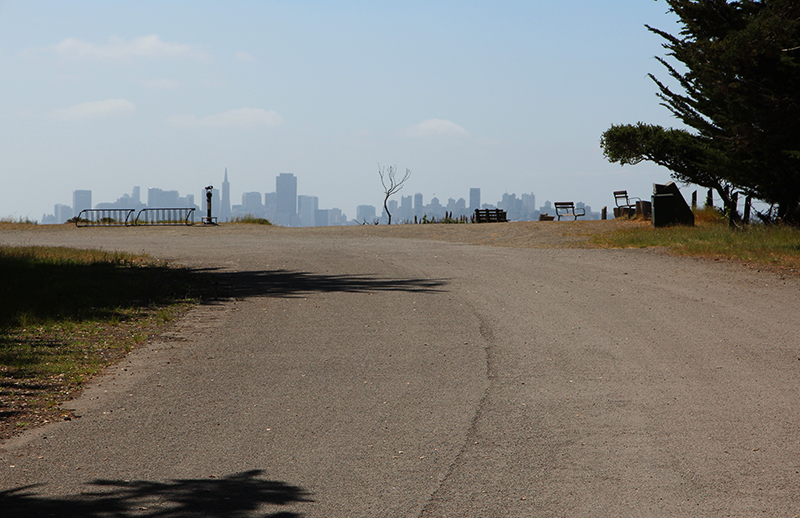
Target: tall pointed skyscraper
<point>225,203</point>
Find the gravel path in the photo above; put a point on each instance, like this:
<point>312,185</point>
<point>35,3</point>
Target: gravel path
<point>419,371</point>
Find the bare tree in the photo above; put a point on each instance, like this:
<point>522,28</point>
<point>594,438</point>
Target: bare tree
<point>391,184</point>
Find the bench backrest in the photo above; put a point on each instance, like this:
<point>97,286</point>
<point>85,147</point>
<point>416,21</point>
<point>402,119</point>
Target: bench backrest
<point>490,215</point>
<point>565,205</point>
<point>622,200</point>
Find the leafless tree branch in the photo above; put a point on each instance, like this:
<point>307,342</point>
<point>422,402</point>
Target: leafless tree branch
<point>391,184</point>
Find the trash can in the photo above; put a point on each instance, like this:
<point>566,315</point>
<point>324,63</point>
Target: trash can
<point>669,207</point>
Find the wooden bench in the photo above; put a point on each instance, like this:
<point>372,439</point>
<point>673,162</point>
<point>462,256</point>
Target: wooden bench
<point>489,216</point>
<point>567,208</point>
<point>626,207</point>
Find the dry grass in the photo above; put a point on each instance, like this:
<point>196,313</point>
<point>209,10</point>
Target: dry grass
<point>525,234</point>
<point>775,246</point>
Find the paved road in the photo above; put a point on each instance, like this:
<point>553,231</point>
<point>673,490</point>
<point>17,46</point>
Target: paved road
<point>356,376</point>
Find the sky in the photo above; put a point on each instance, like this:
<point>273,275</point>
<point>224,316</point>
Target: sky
<point>506,96</point>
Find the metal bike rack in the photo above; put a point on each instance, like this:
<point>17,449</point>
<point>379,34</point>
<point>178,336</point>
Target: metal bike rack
<point>165,216</point>
<point>105,218</point>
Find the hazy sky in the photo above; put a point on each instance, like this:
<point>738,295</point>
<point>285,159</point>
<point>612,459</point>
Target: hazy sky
<point>508,96</point>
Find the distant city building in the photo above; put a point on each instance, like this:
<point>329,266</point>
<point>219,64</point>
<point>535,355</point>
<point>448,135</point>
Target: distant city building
<point>215,204</point>
<point>419,208</point>
<point>406,212</point>
<point>270,205</point>
<point>307,210</point>
<point>225,203</point>
<point>365,214</point>
<point>81,200</point>
<point>321,218</point>
<point>286,191</point>
<point>126,201</point>
<point>251,203</point>
<point>62,213</point>
<point>529,204</point>
<point>159,199</point>
<point>474,199</point>
<point>434,209</point>
<point>336,217</point>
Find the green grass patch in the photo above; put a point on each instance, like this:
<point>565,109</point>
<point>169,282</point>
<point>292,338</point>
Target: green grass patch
<point>251,220</point>
<point>65,314</point>
<point>776,245</point>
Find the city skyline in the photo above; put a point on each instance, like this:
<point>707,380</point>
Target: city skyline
<point>286,207</point>
<point>505,96</point>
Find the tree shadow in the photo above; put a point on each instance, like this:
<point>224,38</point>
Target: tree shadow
<point>35,292</point>
<point>240,495</point>
<point>288,283</point>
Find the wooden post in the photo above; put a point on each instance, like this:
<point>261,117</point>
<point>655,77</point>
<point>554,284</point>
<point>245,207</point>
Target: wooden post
<point>604,213</point>
<point>694,200</point>
<point>733,209</point>
<point>747,202</point>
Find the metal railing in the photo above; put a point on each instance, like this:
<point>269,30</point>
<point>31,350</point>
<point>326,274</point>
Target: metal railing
<point>165,216</point>
<point>124,217</point>
<point>105,218</point>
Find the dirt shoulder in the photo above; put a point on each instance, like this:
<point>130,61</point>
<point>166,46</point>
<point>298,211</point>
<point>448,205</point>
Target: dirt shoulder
<point>524,234</point>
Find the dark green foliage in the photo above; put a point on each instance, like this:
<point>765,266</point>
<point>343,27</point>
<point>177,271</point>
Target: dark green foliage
<point>691,159</point>
<point>739,72</point>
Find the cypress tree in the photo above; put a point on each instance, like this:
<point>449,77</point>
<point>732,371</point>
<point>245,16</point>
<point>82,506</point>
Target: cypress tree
<point>741,91</point>
<point>738,68</point>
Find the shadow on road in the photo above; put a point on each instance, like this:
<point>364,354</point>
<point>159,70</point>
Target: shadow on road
<point>241,495</point>
<point>36,291</point>
<point>287,283</point>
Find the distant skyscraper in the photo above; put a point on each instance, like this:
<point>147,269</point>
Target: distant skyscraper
<point>225,203</point>
<point>528,202</point>
<point>251,203</point>
<point>321,219</point>
<point>335,217</point>
<point>307,209</point>
<point>406,212</point>
<point>270,205</point>
<point>474,198</point>
<point>215,196</point>
<point>62,213</point>
<point>365,214</point>
<point>419,208</point>
<point>136,196</point>
<point>81,200</point>
<point>157,198</point>
<point>286,190</point>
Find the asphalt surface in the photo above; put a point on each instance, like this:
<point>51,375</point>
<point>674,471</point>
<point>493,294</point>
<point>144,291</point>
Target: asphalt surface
<point>368,376</point>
